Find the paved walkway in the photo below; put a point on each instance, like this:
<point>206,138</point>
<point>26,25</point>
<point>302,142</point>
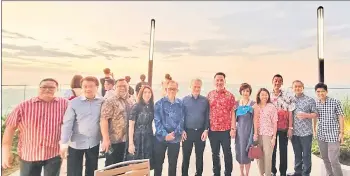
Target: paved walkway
<point>316,168</point>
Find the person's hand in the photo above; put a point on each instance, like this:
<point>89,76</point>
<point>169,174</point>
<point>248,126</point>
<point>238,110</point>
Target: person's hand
<point>233,133</point>
<point>204,135</point>
<point>290,133</point>
<point>170,136</point>
<point>302,115</point>
<point>63,151</point>
<point>341,138</point>
<point>184,136</point>
<point>255,138</point>
<point>7,159</point>
<point>273,142</point>
<point>106,143</point>
<point>131,149</point>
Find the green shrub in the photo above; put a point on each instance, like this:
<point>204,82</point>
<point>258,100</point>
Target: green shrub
<point>15,139</point>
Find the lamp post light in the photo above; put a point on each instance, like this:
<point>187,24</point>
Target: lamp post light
<point>151,51</point>
<point>320,43</point>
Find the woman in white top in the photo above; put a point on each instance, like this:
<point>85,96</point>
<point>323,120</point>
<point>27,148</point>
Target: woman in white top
<point>165,84</point>
<point>75,86</point>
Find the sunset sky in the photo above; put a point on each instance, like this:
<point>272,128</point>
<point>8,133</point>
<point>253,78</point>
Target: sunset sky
<point>249,41</point>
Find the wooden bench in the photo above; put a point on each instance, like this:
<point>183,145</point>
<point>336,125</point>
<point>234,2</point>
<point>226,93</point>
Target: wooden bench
<point>127,168</point>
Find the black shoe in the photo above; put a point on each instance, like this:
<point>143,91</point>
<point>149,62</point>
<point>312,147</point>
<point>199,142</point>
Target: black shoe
<point>272,174</point>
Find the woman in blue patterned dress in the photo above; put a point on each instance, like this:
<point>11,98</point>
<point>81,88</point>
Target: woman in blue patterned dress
<point>244,128</point>
<point>140,132</point>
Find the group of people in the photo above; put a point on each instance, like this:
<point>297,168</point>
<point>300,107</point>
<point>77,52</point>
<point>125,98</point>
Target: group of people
<point>83,123</point>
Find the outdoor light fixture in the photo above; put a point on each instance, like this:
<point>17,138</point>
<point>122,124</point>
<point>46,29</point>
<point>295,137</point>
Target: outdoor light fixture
<point>151,51</point>
<point>320,42</point>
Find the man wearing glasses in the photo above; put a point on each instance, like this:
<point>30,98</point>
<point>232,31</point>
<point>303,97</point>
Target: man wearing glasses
<point>39,120</point>
<point>169,123</point>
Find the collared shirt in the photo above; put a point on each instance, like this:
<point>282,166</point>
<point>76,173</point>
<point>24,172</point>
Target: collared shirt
<point>328,120</point>
<point>196,111</point>
<point>284,104</point>
<point>306,104</point>
<point>169,117</point>
<point>221,105</point>
<point>116,110</point>
<point>81,123</point>
<point>109,93</point>
<point>268,116</point>
<point>39,125</point>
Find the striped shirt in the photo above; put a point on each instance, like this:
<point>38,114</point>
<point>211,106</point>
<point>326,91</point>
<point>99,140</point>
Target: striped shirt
<point>39,125</point>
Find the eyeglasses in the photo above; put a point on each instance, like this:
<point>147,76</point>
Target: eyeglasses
<point>172,89</point>
<point>47,88</point>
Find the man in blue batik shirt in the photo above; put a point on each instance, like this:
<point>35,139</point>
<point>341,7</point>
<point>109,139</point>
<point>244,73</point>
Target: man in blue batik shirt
<point>169,123</point>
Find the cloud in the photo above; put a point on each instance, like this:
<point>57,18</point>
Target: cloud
<point>15,35</point>
<point>109,47</point>
<point>102,53</point>
<point>39,51</point>
<point>168,47</point>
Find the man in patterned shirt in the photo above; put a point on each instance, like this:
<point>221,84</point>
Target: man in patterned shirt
<point>305,111</point>
<point>330,129</point>
<point>221,103</point>
<point>114,116</point>
<point>285,105</point>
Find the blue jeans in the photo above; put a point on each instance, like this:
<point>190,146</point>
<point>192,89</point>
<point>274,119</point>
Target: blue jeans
<point>302,153</point>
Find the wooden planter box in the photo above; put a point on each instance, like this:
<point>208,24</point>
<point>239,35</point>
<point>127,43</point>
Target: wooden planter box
<point>127,168</point>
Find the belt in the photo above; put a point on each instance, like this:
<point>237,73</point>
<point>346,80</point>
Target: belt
<point>195,129</point>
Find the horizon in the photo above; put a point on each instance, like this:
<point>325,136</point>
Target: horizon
<point>54,39</point>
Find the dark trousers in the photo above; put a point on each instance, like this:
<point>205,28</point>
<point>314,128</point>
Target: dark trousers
<point>282,137</point>
<point>75,161</point>
<point>223,139</point>
<point>117,155</point>
<point>33,168</point>
<point>302,154</point>
<point>193,137</point>
<point>173,153</point>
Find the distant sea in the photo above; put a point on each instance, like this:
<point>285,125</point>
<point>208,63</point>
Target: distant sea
<point>13,95</point>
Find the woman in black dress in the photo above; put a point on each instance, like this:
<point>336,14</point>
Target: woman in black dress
<point>140,132</point>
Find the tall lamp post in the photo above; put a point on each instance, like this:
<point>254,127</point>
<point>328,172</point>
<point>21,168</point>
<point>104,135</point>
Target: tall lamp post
<point>151,51</point>
<point>320,43</point>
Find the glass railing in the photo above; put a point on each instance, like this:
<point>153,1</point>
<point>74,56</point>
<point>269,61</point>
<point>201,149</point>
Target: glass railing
<point>12,95</point>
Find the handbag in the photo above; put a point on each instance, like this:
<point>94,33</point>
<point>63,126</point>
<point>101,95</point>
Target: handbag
<point>255,152</point>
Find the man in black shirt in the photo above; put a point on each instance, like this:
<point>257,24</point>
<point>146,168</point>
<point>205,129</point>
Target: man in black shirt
<point>140,84</point>
<point>131,90</point>
<point>108,75</point>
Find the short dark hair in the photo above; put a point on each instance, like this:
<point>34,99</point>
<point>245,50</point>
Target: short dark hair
<point>143,77</point>
<point>110,81</point>
<point>90,78</point>
<point>258,100</point>
<point>245,86</point>
<point>49,79</point>
<point>75,83</point>
<point>322,86</point>
<point>220,73</point>
<point>277,76</point>
<point>106,71</point>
